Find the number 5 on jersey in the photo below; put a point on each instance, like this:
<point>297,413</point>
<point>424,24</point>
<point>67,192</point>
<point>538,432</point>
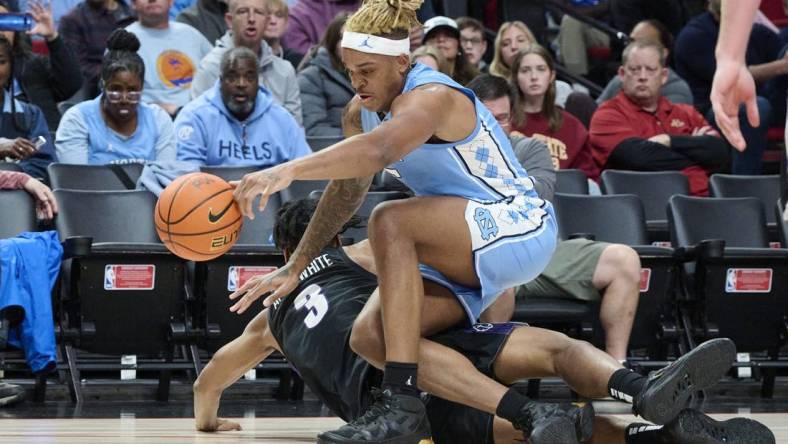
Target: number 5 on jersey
<point>314,300</point>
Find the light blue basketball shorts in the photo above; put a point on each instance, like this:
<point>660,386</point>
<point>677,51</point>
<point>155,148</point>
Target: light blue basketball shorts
<point>512,244</point>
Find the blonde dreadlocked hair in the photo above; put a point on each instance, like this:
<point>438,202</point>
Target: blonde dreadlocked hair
<point>385,17</point>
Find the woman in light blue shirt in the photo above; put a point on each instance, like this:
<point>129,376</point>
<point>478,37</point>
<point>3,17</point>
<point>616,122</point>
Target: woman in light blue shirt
<point>115,127</point>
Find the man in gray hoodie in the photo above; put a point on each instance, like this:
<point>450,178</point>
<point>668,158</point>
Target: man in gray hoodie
<point>247,20</point>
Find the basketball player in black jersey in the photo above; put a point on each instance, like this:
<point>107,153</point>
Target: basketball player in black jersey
<point>312,326</point>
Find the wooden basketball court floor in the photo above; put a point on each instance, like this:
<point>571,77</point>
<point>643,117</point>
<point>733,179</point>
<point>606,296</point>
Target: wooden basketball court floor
<point>270,430</point>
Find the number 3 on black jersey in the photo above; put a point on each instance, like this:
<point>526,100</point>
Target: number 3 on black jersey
<point>314,300</point>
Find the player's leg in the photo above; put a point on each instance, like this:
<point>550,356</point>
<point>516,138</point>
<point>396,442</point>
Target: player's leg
<point>618,275</point>
<point>533,352</point>
<point>442,371</point>
<point>227,366</point>
<point>447,373</point>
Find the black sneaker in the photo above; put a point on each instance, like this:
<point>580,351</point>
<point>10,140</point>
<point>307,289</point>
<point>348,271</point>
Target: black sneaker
<point>10,394</point>
<point>667,390</point>
<point>693,427</point>
<point>581,415</point>
<point>391,419</point>
<point>547,423</point>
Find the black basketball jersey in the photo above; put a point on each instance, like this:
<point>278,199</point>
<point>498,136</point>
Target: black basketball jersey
<point>313,324</point>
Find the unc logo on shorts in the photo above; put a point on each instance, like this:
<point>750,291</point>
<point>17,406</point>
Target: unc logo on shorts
<point>486,223</point>
<point>481,328</point>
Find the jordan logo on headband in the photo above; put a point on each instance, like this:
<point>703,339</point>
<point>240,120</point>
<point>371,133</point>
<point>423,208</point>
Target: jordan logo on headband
<point>374,44</point>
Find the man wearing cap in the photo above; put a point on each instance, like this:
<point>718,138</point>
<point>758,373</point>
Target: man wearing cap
<point>444,34</point>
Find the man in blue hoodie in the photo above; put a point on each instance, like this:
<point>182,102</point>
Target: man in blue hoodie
<point>237,122</point>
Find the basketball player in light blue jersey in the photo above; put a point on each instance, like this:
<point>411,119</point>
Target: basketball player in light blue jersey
<point>476,224</point>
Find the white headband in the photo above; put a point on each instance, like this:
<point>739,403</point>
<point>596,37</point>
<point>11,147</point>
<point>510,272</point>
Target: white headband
<point>373,44</point>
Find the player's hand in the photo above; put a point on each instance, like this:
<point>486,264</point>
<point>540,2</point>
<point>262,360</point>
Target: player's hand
<point>46,205</point>
<point>263,183</point>
<point>280,283</point>
<point>733,84</point>
<point>220,425</point>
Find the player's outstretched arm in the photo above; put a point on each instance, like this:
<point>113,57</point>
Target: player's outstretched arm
<point>340,200</point>
<point>733,83</point>
<point>227,365</point>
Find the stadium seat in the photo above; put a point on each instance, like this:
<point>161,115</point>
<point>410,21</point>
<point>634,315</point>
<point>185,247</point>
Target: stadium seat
<point>229,173</point>
<point>654,189</point>
<point>19,213</point>
<point>571,182</point>
<point>737,282</point>
<point>372,200</point>
<point>590,216</point>
<point>318,143</point>
<point>10,166</point>
<point>94,177</point>
<point>765,188</point>
<point>300,189</point>
<point>127,295</point>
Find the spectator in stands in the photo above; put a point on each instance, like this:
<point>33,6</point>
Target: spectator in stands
<point>171,52</point>
<point>536,114</point>
<point>86,29</point>
<point>21,124</point>
<point>416,36</point>
<point>324,84</point>
<point>576,37</point>
<point>309,20</point>
<point>676,89</point>
<point>511,38</point>
<point>442,33</point>
<point>641,130</point>
<point>473,43</point>
<point>275,29</point>
<point>432,57</point>
<point>696,66</point>
<point>206,16</point>
<point>41,80</point>
<point>116,127</point>
<point>248,20</point>
<point>580,269</point>
<point>238,123</point>
<point>46,205</point>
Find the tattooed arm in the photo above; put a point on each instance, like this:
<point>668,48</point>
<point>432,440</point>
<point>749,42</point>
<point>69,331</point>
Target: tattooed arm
<point>340,201</point>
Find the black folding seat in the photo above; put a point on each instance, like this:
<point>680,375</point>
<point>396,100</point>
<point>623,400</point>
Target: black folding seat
<point>300,189</point>
<point>317,143</point>
<point>571,182</point>
<point>126,296</point>
<point>739,284</point>
<point>94,177</point>
<point>621,219</point>
<point>229,173</point>
<point>654,188</point>
<point>18,213</point>
<point>766,188</point>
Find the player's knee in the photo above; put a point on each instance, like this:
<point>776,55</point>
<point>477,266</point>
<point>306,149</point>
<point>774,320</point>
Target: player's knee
<point>365,339</point>
<point>384,222</point>
<point>625,261</point>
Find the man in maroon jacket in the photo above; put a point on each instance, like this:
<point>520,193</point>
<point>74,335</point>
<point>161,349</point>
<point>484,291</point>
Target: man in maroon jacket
<point>641,130</point>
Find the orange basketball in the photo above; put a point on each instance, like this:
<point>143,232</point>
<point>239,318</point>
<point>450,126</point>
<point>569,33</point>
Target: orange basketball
<point>197,218</point>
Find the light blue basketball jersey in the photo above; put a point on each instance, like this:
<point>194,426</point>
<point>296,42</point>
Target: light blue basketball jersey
<point>482,167</point>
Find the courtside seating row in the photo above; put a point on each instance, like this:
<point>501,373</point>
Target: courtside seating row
<point>190,317</point>
<point>719,275</point>
<point>122,293</point>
